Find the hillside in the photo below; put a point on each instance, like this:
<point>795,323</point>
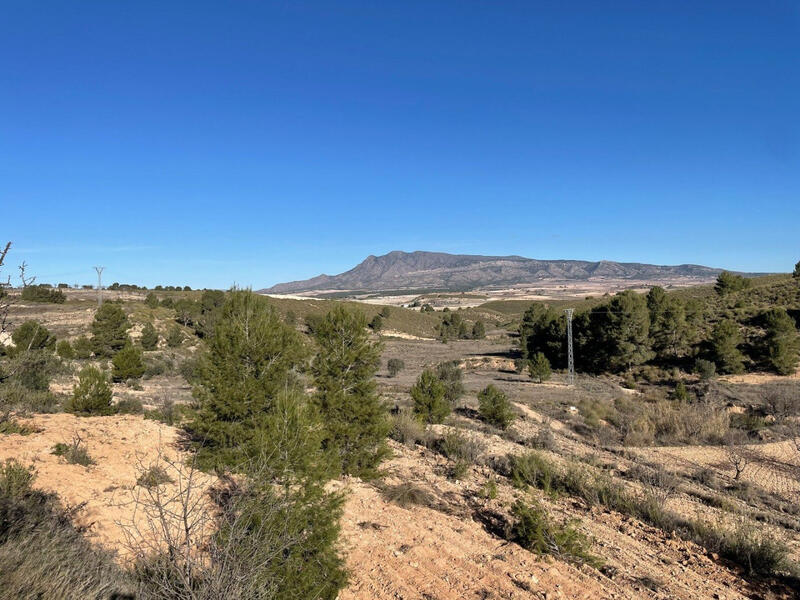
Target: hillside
<point>458,272</point>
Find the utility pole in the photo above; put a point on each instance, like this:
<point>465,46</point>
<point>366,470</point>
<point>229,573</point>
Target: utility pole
<point>99,285</point>
<point>570,354</point>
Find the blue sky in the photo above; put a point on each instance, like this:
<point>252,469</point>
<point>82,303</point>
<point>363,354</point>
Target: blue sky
<point>212,143</point>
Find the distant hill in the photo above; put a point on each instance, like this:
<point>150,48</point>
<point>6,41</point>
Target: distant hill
<point>462,272</point>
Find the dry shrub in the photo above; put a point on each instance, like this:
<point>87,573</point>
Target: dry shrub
<point>408,429</point>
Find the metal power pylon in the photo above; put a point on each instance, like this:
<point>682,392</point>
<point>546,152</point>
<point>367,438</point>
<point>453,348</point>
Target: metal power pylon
<point>570,354</point>
<point>99,285</point>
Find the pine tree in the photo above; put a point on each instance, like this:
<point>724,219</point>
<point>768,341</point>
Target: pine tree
<point>32,335</point>
<point>539,367</point>
<point>428,394</point>
<point>624,325</point>
<point>64,350</point>
<point>494,407</point>
<point>149,339</point>
<point>478,330</point>
<point>82,347</point>
<point>92,394</point>
<point>344,377</point>
<point>725,340</point>
<point>727,283</point>
<point>151,300</point>
<point>109,330</point>
<point>668,327</point>
<point>781,341</point>
<point>127,364</point>
<point>452,377</point>
<point>249,359</point>
<point>174,336</point>
<point>796,272</point>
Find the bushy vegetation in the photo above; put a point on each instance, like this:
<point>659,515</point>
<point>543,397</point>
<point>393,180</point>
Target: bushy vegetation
<point>64,350</point>
<point>127,364</point>
<point>92,394</point>
<point>394,366</point>
<point>539,367</point>
<point>149,339</point>
<point>343,373</point>
<point>32,335</point>
<point>534,530</point>
<point>42,293</point>
<point>428,394</point>
<point>109,330</point>
<point>742,327</point>
<point>494,407</point>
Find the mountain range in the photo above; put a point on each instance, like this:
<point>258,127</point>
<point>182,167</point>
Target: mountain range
<point>419,270</point>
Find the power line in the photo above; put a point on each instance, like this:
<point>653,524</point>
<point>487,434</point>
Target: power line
<point>99,285</point>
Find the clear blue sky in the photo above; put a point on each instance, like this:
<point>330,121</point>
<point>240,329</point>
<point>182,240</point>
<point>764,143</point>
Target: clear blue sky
<point>207,143</point>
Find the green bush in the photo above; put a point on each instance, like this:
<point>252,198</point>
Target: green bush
<point>494,407</point>
<point>149,339</point>
<point>534,530</point>
<point>32,335</point>
<point>92,395</point>
<point>37,293</point>
<point>452,377</point>
<point>539,367</point>
<point>428,394</point>
<point>153,476</point>
<point>346,396</point>
<point>109,330</point>
<point>64,350</point>
<point>127,364</point>
<point>394,366</point>
<point>75,453</point>
<point>174,337</point>
<point>82,347</point>
<point>706,369</point>
<point>33,369</point>
<point>151,300</point>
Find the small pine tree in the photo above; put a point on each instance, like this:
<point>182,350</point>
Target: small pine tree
<point>385,312</point>
<point>82,347</point>
<point>725,340</point>
<point>705,369</point>
<point>452,377</point>
<point>478,330</point>
<point>151,300</point>
<point>727,283</point>
<point>680,393</point>
<point>174,337</point>
<point>92,394</point>
<point>250,357</point>
<point>394,366</point>
<point>428,394</point>
<point>344,377</point>
<point>109,330</point>
<point>32,335</point>
<point>494,407</point>
<point>539,367</point>
<point>796,272</point>
<point>149,339</point>
<point>376,324</point>
<point>781,341</point>
<point>127,364</point>
<point>64,350</point>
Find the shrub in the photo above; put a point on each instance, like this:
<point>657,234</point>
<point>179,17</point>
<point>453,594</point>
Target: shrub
<point>109,330</point>
<point>127,364</point>
<point>539,367</point>
<point>376,324</point>
<point>452,377</point>
<point>680,393</point>
<point>64,350</point>
<point>457,445</point>
<point>705,369</point>
<point>408,494</point>
<point>129,406</point>
<point>32,335</point>
<point>725,340</point>
<point>494,407</point>
<point>92,395</point>
<point>34,369</point>
<point>781,341</point>
<point>149,339</point>
<point>42,555</point>
<point>428,394</point>
<point>727,283</point>
<point>535,470</point>
<point>407,429</point>
<point>151,300</point>
<point>82,347</point>
<point>478,330</point>
<point>37,293</point>
<point>394,366</point>
<point>9,425</point>
<point>154,476</point>
<point>75,453</point>
<point>174,337</point>
<point>167,302</point>
<point>534,530</point>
